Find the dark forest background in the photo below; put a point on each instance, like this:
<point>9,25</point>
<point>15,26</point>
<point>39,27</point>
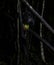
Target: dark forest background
<point>8,31</point>
<point>30,48</point>
<point>25,43</point>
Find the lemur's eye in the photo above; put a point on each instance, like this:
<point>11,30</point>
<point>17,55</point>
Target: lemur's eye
<point>26,26</point>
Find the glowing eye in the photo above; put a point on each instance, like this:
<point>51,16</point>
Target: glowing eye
<point>26,26</point>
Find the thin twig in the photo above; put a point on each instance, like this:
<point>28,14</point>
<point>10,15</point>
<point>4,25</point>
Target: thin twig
<point>42,40</point>
<point>40,17</point>
<point>42,49</point>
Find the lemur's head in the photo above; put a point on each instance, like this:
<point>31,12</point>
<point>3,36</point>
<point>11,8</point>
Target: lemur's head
<point>28,18</point>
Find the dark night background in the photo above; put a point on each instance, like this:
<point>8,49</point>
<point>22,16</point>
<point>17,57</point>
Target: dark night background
<point>29,50</point>
<point>8,31</point>
<point>30,53</point>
